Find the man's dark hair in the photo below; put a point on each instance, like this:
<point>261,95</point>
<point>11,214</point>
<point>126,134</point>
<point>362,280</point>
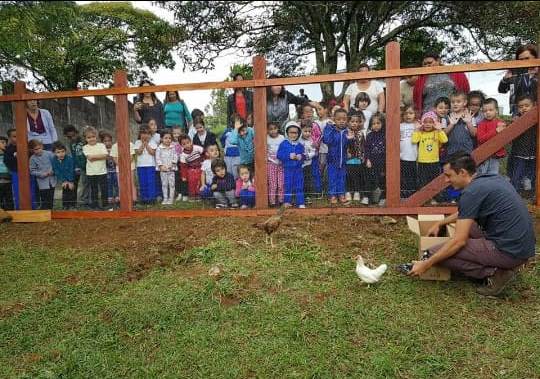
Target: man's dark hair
<point>493,101</point>
<point>525,97</point>
<point>58,146</point>
<point>218,163</point>
<point>462,160</point>
<point>431,54</point>
<point>476,94</point>
<point>340,110</point>
<point>70,129</point>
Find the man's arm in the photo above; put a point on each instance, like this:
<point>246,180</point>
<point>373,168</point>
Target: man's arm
<point>451,247</point>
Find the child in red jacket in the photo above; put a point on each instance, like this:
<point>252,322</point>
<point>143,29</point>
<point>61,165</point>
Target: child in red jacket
<point>487,129</point>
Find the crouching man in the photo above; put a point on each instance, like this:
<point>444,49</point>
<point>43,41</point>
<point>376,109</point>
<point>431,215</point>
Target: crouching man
<point>494,231</point>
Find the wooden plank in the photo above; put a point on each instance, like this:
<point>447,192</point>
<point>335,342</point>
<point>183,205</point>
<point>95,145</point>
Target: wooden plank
<point>30,216</point>
<point>480,154</point>
<point>347,76</point>
<point>122,137</point>
<point>393,121</point>
<point>23,161</point>
<point>259,110</point>
<point>368,211</point>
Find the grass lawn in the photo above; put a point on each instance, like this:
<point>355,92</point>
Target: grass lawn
<point>133,298</point>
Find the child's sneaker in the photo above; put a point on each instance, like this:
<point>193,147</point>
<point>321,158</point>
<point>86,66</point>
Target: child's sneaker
<point>287,205</point>
<point>221,206</point>
<point>165,202</point>
<point>356,196</point>
<point>365,201</point>
<point>344,200</point>
<point>382,203</point>
<point>234,206</point>
<point>244,207</point>
<point>333,200</point>
<point>185,198</point>
<point>302,206</point>
<point>179,197</point>
<point>348,196</point>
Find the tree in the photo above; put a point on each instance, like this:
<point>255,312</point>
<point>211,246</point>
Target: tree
<point>65,46</point>
<point>288,32</point>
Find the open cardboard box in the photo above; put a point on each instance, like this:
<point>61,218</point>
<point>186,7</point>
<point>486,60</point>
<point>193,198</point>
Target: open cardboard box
<point>420,227</point>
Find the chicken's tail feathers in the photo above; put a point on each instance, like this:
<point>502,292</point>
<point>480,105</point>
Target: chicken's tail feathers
<point>258,225</point>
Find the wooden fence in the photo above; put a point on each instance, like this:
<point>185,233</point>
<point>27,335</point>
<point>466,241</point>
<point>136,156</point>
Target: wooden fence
<point>394,204</point>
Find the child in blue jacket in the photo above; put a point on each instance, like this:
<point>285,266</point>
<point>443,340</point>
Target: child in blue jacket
<point>291,155</point>
<point>337,137</point>
<point>243,136</point>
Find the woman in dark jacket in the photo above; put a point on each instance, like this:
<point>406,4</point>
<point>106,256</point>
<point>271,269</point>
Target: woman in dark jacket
<point>277,104</point>
<point>521,82</point>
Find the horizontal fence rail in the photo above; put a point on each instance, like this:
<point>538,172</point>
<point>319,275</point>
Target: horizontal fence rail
<point>395,205</point>
<point>347,76</point>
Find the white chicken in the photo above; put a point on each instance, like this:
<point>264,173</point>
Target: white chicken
<point>366,274</point>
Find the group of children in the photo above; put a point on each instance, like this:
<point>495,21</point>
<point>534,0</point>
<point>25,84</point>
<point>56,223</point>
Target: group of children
<point>344,151</point>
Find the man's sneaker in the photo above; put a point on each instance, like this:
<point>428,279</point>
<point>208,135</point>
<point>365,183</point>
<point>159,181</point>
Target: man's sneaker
<point>356,196</point>
<point>497,283</point>
<point>365,201</point>
<point>348,196</point>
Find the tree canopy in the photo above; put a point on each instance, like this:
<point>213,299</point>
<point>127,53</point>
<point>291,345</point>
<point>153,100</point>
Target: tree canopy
<point>352,32</point>
<point>65,46</point>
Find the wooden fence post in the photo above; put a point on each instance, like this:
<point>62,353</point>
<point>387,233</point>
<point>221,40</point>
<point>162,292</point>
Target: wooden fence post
<point>23,161</point>
<point>125,176</point>
<point>259,114</point>
<point>393,120</point>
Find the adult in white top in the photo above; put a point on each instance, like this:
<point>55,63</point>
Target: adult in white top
<point>373,88</point>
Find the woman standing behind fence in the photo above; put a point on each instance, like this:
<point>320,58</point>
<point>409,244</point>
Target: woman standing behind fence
<point>373,88</point>
<point>147,107</point>
<point>522,81</point>
<point>277,104</point>
<point>176,112</point>
<point>40,125</point>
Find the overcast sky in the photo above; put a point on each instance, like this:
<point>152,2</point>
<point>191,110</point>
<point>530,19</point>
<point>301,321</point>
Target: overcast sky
<point>485,81</point>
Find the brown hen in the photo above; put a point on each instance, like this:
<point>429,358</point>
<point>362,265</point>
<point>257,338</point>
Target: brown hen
<point>271,225</point>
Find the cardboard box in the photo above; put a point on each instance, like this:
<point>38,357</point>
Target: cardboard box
<point>420,226</point>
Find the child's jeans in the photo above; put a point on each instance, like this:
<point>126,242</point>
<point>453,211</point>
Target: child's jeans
<point>6,196</point>
<point>491,166</point>
<point>112,186</point>
<point>46,197</point>
<point>247,198</point>
<point>523,168</point>
<point>98,184</point>
<point>225,198</point>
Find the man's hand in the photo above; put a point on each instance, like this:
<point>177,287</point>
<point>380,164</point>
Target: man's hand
<point>434,230</point>
<point>419,267</point>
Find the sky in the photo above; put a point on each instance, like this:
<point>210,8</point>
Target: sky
<point>485,81</point>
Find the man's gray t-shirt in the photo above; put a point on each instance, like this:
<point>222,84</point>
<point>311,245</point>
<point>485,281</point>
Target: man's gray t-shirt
<point>437,85</point>
<point>501,213</point>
